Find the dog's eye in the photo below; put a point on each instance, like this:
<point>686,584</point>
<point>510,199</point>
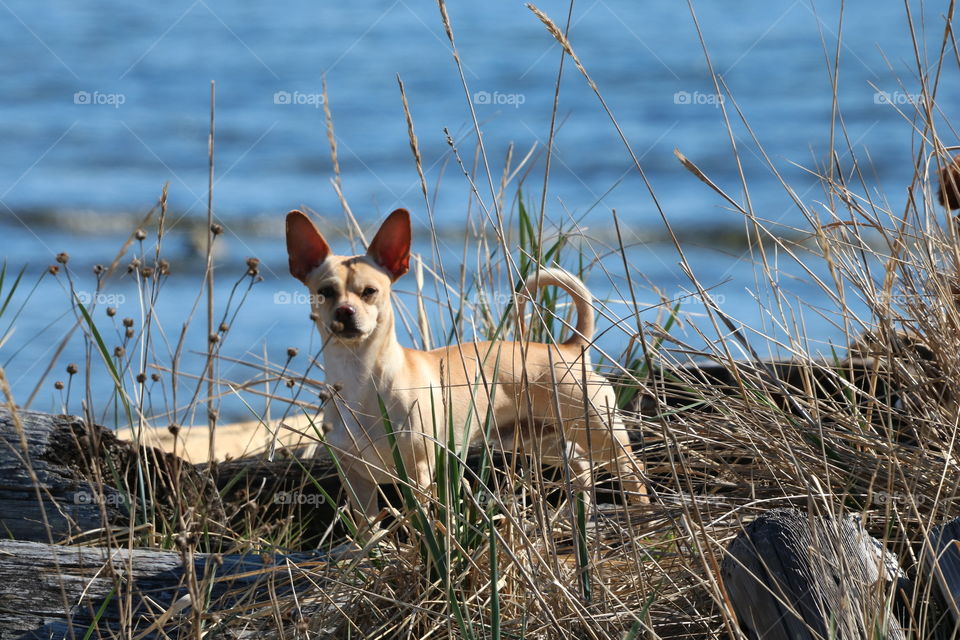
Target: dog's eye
<point>368,292</point>
<point>327,293</point>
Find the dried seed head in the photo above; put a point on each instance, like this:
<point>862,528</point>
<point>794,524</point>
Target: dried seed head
<point>54,269</point>
<point>111,311</point>
<point>174,429</point>
<point>155,377</point>
<point>214,338</point>
<point>216,229</point>
<point>128,333</point>
<point>98,269</point>
<point>224,327</point>
<point>72,369</point>
<point>119,352</point>
<point>290,383</point>
<point>63,257</point>
<point>141,378</point>
<point>292,352</point>
<point>140,235</point>
<point>128,322</point>
<point>164,267</point>
<point>134,265</point>
<point>147,272</point>
<point>58,385</point>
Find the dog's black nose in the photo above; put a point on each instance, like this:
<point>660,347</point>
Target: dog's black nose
<point>344,313</point>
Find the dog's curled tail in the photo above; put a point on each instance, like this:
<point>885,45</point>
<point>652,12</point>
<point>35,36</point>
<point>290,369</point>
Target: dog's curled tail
<point>582,299</point>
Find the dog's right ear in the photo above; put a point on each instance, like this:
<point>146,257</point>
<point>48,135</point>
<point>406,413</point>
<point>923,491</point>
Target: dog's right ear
<point>306,248</point>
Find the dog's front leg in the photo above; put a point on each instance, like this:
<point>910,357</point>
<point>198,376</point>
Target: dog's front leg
<point>362,491</point>
<point>425,487</point>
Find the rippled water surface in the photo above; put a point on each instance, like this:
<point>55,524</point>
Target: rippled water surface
<point>101,103</point>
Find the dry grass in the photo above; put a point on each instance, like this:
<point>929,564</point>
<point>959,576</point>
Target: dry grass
<point>870,432</point>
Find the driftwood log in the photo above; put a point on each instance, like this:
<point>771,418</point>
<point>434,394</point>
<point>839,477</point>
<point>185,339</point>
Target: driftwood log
<point>60,478</point>
<point>49,591</point>
<point>37,490</point>
<point>789,576</point>
<point>941,561</point>
<point>792,577</point>
<point>64,478</point>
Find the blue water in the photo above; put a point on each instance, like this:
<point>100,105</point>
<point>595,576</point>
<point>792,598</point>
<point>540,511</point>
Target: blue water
<point>101,103</point>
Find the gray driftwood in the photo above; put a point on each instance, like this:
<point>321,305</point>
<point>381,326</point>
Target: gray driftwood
<point>941,561</point>
<point>792,577</point>
<point>55,592</point>
<point>57,489</point>
<point>60,477</point>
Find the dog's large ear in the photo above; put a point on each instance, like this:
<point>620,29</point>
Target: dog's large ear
<point>306,248</point>
<point>391,246</point>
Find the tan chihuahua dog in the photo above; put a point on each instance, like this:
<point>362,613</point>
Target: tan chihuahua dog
<point>545,398</point>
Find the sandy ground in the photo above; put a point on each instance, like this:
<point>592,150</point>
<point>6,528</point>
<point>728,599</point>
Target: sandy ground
<point>234,440</point>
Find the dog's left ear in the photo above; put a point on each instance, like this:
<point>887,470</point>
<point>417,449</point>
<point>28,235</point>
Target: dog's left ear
<point>391,246</point>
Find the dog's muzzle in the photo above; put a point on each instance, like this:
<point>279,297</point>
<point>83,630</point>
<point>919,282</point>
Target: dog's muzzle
<point>344,322</point>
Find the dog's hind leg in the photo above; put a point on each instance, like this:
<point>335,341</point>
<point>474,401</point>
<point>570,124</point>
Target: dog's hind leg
<point>606,441</point>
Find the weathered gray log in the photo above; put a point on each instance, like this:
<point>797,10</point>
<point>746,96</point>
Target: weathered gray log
<point>68,501</point>
<point>54,592</point>
<point>792,577</point>
<point>73,478</point>
<point>941,562</point>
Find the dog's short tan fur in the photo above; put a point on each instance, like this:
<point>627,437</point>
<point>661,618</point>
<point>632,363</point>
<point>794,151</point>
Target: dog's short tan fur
<point>451,387</point>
